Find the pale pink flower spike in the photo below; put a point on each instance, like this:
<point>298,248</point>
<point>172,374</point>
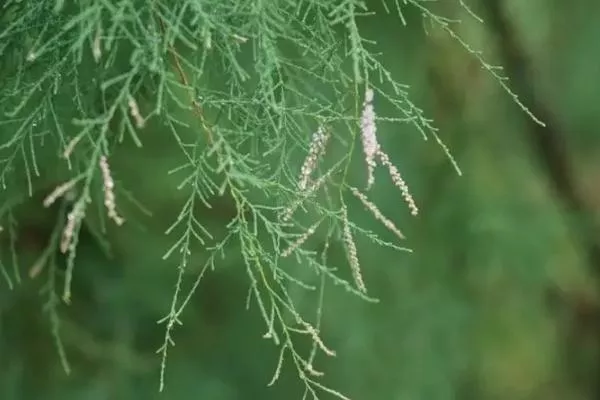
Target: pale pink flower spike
<point>368,135</point>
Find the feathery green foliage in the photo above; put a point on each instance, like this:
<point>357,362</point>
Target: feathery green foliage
<point>235,90</point>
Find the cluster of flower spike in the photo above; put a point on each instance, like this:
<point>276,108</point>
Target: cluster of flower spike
<point>373,152</point>
<point>374,155</point>
<point>77,213</point>
<point>74,218</point>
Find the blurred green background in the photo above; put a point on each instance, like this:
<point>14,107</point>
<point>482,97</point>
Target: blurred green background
<point>499,299</point>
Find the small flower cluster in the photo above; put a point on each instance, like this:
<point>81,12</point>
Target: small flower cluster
<point>74,219</point>
<point>135,112</point>
<point>373,154</point>
<point>368,134</point>
<point>77,213</point>
<point>59,191</point>
<point>71,146</point>
<point>109,195</point>
<point>352,253</point>
<point>316,150</point>
<point>399,182</point>
<point>373,151</point>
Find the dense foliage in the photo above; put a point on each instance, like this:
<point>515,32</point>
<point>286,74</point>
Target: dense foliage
<point>233,169</point>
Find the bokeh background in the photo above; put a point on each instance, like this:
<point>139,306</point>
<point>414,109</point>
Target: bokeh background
<point>498,300</point>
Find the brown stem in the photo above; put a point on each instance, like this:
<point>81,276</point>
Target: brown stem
<point>185,82</point>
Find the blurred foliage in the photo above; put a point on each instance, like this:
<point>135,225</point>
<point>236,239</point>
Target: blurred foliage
<point>496,301</point>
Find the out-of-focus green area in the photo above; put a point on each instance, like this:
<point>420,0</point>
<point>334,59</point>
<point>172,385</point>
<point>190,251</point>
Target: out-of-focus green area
<point>498,299</point>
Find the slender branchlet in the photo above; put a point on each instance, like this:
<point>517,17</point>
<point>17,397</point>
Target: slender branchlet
<point>288,211</point>
<point>314,334</point>
<point>71,146</point>
<point>300,240</point>
<point>375,211</point>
